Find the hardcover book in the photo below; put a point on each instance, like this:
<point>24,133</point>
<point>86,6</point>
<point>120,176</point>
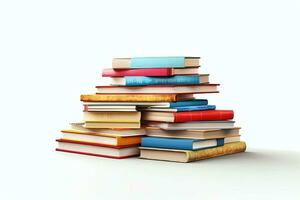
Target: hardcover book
<point>176,143</point>
<point>108,151</point>
<point>192,125</point>
<point>109,108</point>
<point>156,62</point>
<point>110,72</point>
<point>195,134</point>
<point>158,89</point>
<point>113,125</point>
<point>111,116</point>
<point>150,80</point>
<point>189,156</point>
<point>204,115</point>
<point>181,108</point>
<point>134,97</point>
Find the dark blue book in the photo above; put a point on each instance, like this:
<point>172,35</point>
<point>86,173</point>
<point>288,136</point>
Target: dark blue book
<point>183,144</point>
<point>182,108</point>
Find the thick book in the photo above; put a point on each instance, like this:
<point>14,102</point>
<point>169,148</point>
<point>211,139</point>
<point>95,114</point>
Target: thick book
<point>113,125</point>
<point>192,125</point>
<point>134,97</point>
<point>184,144</point>
<point>108,151</point>
<point>194,134</point>
<point>203,115</point>
<point>190,156</point>
<point>109,108</point>
<point>99,138</point>
<point>181,109</point>
<point>79,127</point>
<point>110,72</point>
<point>156,62</point>
<point>111,116</point>
<point>151,80</point>
<point>231,139</point>
<point>158,89</point>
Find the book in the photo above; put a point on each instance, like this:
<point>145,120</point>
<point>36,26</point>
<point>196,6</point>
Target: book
<point>158,89</point>
<point>156,62</point>
<point>152,80</point>
<point>176,143</point>
<point>203,115</point>
<point>97,125</point>
<point>110,72</point>
<point>231,139</point>
<point>79,127</point>
<point>189,156</point>
<point>108,151</point>
<point>192,125</point>
<point>181,108</point>
<point>190,102</point>
<point>194,134</point>
<point>134,97</point>
<point>111,116</point>
<point>110,108</point>
<point>100,138</point>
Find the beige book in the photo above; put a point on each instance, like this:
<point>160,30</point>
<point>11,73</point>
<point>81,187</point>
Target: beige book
<point>111,116</point>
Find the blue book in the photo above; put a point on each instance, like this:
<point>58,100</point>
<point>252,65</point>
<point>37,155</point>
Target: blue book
<point>195,102</point>
<point>157,80</point>
<point>156,62</point>
<point>183,144</point>
<point>182,108</point>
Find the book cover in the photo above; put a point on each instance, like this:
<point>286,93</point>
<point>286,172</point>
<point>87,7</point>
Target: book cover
<point>206,115</point>
<point>176,143</point>
<point>109,72</point>
<point>190,156</point>
<point>195,102</point>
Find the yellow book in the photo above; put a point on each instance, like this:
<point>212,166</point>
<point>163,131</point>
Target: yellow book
<point>111,116</point>
<point>134,97</point>
<point>189,156</point>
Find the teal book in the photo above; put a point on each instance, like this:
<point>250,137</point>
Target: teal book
<point>156,62</point>
<point>157,80</point>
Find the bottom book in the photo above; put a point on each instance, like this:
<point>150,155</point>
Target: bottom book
<point>189,156</point>
<point>93,149</point>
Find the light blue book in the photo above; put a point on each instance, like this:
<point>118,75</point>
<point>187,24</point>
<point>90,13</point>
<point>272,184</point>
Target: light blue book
<point>194,102</point>
<point>156,62</point>
<point>178,143</point>
<point>152,80</point>
<point>182,108</point>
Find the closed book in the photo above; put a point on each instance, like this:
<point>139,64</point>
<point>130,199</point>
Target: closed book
<point>134,97</point>
<point>180,109</point>
<point>113,125</point>
<point>156,62</point>
<point>158,89</point>
<point>192,125</point>
<point>194,134</point>
<point>175,143</point>
<point>150,80</point>
<point>193,102</point>
<point>111,116</point>
<point>108,151</point>
<point>110,108</point>
<point>110,72</point>
<point>205,115</point>
<point>100,138</point>
<point>190,156</point>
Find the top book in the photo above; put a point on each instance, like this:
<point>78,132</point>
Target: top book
<point>155,62</point>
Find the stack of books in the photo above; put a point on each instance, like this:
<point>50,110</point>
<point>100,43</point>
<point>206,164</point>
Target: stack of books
<point>151,100</point>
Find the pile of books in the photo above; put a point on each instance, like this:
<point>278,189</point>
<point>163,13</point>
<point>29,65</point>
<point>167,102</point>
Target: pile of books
<point>148,107</point>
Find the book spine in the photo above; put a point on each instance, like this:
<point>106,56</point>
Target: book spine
<point>197,102</point>
<point>85,108</point>
<point>193,108</point>
<point>206,115</point>
<point>129,98</point>
<point>167,143</point>
<point>157,62</point>
<point>227,149</point>
<point>173,80</point>
<point>136,72</point>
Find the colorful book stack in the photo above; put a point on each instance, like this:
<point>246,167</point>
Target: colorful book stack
<point>159,92</point>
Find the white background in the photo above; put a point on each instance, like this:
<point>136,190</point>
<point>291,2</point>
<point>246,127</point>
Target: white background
<point>53,51</point>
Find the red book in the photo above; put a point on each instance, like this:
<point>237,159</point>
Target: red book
<point>204,115</point>
<point>149,72</point>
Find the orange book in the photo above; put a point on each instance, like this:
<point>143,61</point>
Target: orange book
<point>134,97</point>
<point>100,138</point>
